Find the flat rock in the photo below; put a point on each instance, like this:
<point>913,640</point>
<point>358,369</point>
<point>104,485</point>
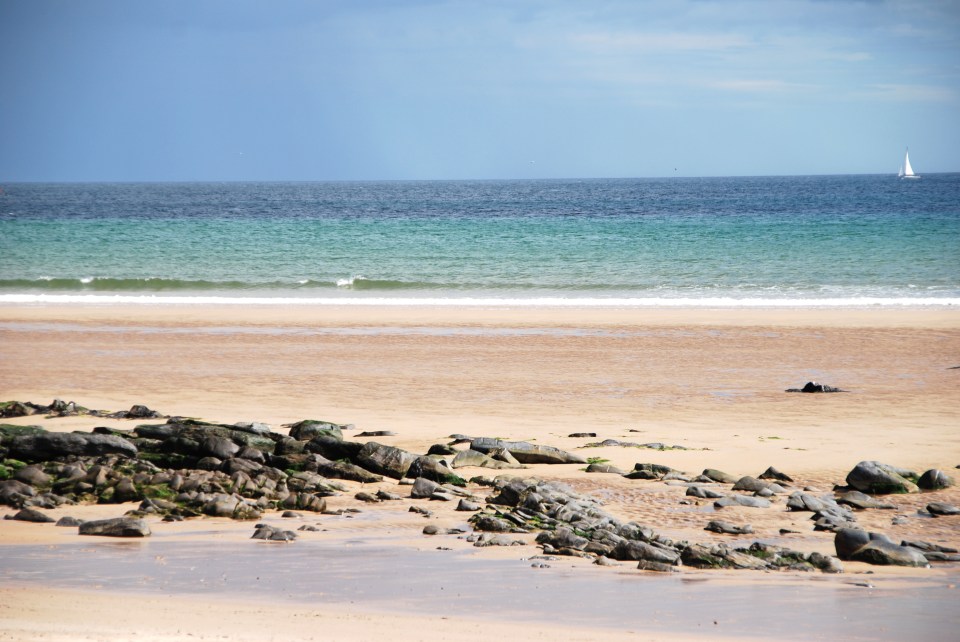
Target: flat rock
<point>939,508</point>
<point>527,453</point>
<point>117,527</point>
<point>32,515</point>
<point>726,528</point>
<point>741,500</point>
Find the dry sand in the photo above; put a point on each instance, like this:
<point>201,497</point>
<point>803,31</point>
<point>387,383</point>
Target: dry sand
<point>711,381</point>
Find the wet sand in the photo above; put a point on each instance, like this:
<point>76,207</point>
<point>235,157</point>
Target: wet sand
<point>710,381</point>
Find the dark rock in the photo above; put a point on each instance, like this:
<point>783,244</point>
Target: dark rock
<point>33,475</point>
<point>475,458</point>
<point>388,496</point>
<point>468,506</point>
<point>604,468</point>
<point>633,550</point>
<point>527,453</point>
<point>703,493</point>
<point>874,548</point>
<point>52,445</point>
<point>939,508</point>
<point>435,470</point>
<point>442,450</point>
<point>582,434</point>
<point>32,515</point>
<point>346,470</point>
<point>117,527</point>
<point>881,479</point>
<point>310,428</point>
<point>927,546</point>
<point>719,526</point>
<point>68,521</point>
<point>385,460</point>
<point>271,534</point>
<point>501,539</point>
<point>370,498</point>
<point>799,501</point>
<point>812,386</point>
<point>649,471</point>
<point>773,473</point>
<point>934,480</point>
<point>423,488</point>
<point>741,500</point>
<point>719,476</point>
<point>493,524</point>
<point>862,501</point>
<point>14,493</point>
<point>377,433</point>
<point>657,567</point>
<point>335,449</point>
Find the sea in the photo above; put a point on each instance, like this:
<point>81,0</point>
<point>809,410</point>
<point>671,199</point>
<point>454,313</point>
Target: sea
<point>807,241</point>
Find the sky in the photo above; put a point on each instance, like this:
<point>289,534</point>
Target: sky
<point>225,90</point>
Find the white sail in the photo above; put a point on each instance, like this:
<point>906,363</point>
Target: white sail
<point>907,171</point>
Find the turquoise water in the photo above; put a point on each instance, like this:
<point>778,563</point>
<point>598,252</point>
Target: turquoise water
<point>742,241</point>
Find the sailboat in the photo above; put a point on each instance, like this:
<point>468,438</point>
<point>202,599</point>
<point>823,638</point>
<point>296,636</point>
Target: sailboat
<point>905,170</point>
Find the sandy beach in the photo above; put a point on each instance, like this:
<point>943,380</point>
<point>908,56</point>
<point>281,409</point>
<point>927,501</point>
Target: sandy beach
<point>710,381</point>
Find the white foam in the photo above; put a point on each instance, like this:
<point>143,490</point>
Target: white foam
<point>532,302</point>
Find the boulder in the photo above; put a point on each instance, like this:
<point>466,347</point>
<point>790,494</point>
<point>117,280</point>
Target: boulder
<point>703,492</point>
<point>385,460</point>
<point>773,473</point>
<point>344,470</point>
<point>52,445</point>
<point>477,459</point>
<point>604,468</point>
<point>117,527</point>
<point>33,475</point>
<point>649,471</point>
<point>435,470</point>
<point>881,479</point>
<point>527,453</point>
<point>719,476</point>
<point>309,428</point>
<point>875,548</point>
<point>934,480</point>
<point>335,449</point>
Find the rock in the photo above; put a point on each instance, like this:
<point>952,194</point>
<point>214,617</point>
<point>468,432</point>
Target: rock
<point>443,450</point>
<point>53,445</point>
<point>939,508</point>
<point>32,515</point>
<point>719,476</point>
<point>14,493</point>
<point>875,548</point>
<point>377,433</point>
<point>117,527</point>
<point>388,496</point>
<point>385,460</point>
<point>435,470</point>
<point>649,471</point>
<point>563,538</point>
<point>369,498</point>
<point>468,506</point>
<point>484,522</point>
<point>488,539</point>
<point>862,501</point>
<point>604,468</point>
<point>703,492</point>
<point>582,434</point>
<point>33,475</point>
<point>68,521</point>
<point>633,550</point>
<point>812,386</point>
<point>527,453</point>
<point>741,500</point>
<point>475,458</point>
<point>799,501</point>
<point>423,488</point>
<point>657,567</point>
<point>934,480</point>
<point>881,479</point>
<point>773,473</point>
<point>309,428</point>
<point>719,526</point>
<point>271,534</point>
<point>345,470</point>
<point>335,449</point>
<point>750,484</point>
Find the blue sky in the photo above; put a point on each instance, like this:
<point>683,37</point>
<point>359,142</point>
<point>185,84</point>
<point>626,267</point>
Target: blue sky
<point>124,90</point>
